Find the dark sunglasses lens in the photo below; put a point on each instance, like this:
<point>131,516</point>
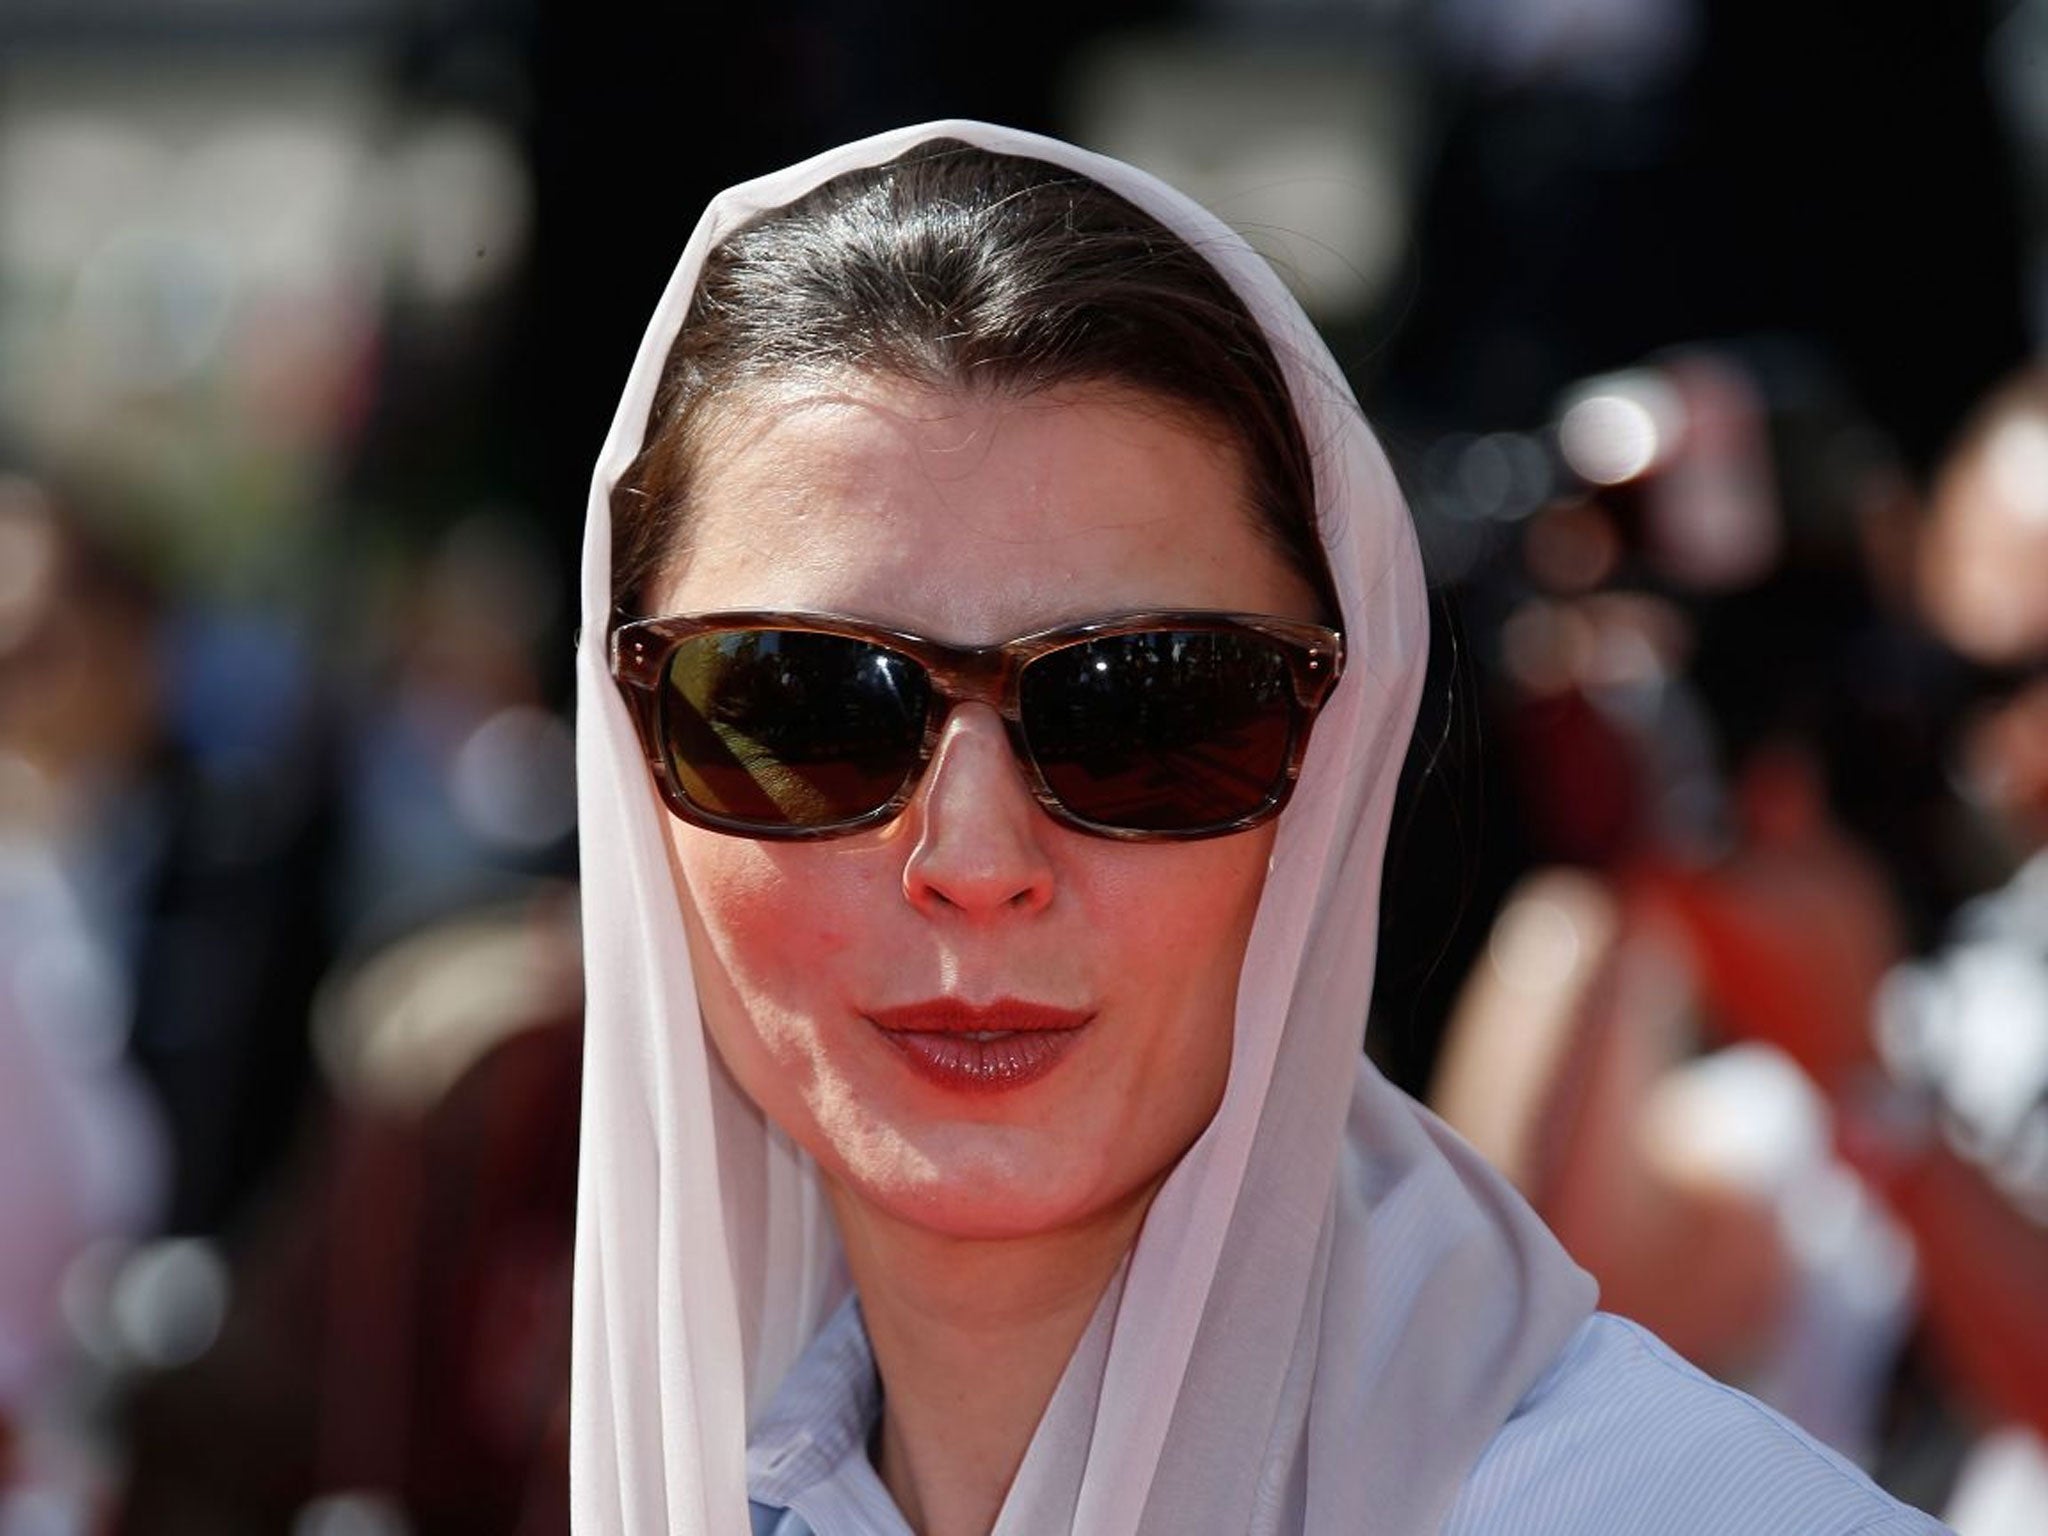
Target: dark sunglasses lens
<point>1166,731</point>
<point>784,728</point>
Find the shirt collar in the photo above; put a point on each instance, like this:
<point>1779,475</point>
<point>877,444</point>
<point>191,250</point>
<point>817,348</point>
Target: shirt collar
<point>809,1454</point>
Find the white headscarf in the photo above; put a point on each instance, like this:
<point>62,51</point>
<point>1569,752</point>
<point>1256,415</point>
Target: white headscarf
<point>1333,1304</point>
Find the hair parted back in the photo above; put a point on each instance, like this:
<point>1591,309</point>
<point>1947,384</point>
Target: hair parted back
<point>956,268</point>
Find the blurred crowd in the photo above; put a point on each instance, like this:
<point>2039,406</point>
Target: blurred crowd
<point>1707,339</point>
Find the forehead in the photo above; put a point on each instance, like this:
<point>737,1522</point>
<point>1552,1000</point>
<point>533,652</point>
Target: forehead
<point>973,518</point>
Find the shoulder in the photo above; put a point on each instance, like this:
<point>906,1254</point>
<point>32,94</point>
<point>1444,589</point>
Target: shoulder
<point>1622,1435</point>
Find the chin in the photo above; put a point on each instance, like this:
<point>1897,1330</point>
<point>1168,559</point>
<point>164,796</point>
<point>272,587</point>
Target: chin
<point>986,1184</point>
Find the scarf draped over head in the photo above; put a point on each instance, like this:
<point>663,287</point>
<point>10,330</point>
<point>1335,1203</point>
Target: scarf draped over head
<point>1333,1304</point>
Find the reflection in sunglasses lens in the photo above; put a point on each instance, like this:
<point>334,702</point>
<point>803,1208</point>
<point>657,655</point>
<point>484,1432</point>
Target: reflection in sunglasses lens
<point>788,728</point>
<point>1164,731</point>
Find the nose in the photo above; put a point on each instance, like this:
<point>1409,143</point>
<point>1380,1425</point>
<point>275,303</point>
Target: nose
<point>979,847</point>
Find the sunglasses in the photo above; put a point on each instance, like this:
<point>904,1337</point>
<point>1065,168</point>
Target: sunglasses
<point>1151,727</point>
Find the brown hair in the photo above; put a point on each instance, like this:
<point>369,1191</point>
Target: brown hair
<point>956,268</point>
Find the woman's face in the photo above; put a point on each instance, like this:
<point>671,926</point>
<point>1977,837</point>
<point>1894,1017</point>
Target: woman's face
<point>829,971</point>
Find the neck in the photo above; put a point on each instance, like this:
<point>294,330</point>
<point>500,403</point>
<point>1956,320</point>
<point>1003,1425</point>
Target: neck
<point>970,1339</point>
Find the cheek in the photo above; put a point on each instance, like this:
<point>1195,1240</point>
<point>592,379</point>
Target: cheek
<point>764,910</point>
<point>1181,918</point>
<point>1187,909</point>
<point>772,932</point>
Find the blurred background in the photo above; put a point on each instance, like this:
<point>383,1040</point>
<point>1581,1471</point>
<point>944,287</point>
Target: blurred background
<point>1703,334</point>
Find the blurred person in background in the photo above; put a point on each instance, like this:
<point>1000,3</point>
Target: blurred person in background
<point>1655,703</point>
<point>1682,1049</point>
<point>396,1356</point>
<point>1963,1032</point>
<point>83,1154</point>
<point>166,894</point>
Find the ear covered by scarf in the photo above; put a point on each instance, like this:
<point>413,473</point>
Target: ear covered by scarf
<point>1334,1303</point>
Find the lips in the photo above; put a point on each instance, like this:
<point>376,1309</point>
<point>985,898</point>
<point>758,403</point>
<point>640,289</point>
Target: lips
<point>981,1048</point>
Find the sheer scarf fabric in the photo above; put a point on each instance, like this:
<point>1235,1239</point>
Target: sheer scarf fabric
<point>1334,1303</point>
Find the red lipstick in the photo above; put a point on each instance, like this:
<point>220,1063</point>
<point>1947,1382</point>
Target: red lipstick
<point>980,1048</point>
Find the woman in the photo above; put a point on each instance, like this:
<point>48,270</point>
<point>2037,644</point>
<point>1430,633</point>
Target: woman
<point>1043,1042</point>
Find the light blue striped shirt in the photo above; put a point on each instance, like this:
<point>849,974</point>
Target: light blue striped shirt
<point>1620,1435</point>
